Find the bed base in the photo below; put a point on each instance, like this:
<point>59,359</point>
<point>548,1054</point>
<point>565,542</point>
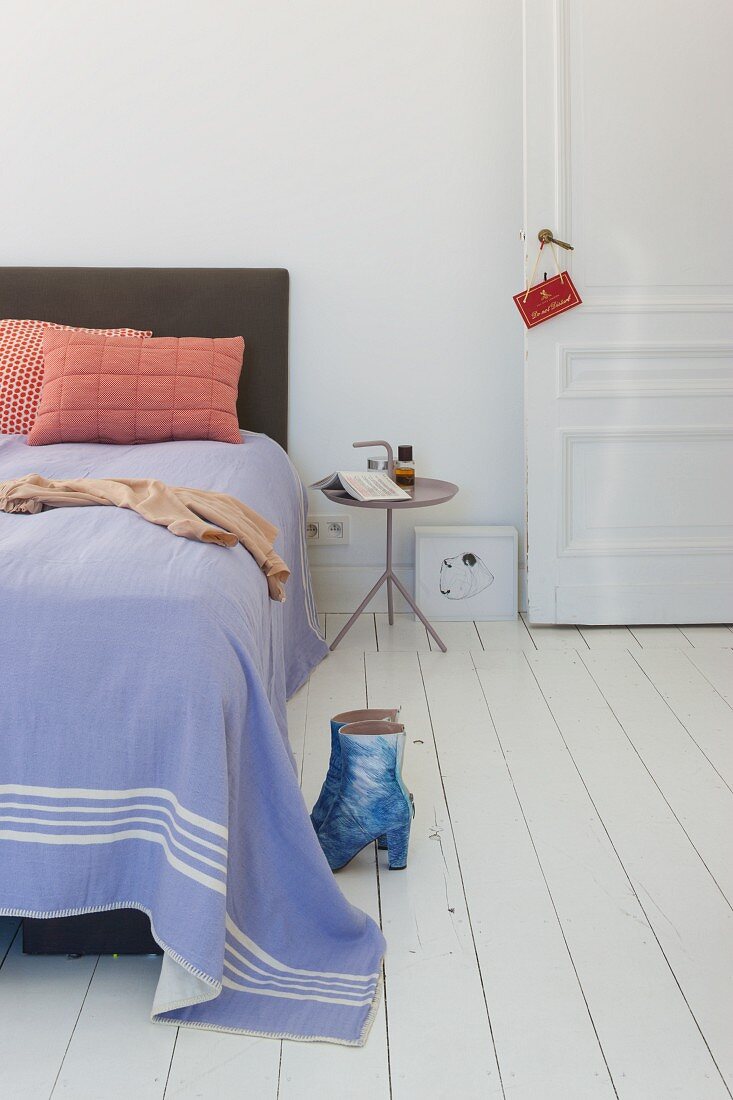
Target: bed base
<point>116,932</point>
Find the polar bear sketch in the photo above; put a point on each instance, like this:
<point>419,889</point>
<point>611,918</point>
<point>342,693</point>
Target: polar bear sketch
<point>463,576</point>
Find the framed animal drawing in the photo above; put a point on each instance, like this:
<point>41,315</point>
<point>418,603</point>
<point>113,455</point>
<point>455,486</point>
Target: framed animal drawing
<point>466,572</point>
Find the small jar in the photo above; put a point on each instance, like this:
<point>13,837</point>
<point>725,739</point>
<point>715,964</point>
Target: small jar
<point>377,463</point>
<point>404,467</point>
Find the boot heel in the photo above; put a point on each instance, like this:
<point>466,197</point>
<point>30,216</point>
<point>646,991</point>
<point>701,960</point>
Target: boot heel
<point>398,841</point>
<point>382,840</point>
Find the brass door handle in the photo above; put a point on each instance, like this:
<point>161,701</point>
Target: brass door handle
<point>545,236</point>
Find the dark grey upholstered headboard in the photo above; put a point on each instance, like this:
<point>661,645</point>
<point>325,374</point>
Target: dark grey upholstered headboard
<point>175,301</point>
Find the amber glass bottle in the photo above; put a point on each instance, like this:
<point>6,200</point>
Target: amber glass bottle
<point>404,467</point>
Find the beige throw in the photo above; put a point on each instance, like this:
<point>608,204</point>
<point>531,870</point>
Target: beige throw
<point>188,513</point>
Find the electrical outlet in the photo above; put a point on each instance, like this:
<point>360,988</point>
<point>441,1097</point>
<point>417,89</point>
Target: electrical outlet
<point>327,531</point>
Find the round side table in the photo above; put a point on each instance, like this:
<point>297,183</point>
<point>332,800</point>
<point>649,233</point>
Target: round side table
<point>427,491</point>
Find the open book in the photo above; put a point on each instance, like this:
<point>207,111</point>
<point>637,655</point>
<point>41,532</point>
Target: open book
<point>363,485</point>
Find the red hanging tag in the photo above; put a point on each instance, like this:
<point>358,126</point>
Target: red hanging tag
<point>547,299</point>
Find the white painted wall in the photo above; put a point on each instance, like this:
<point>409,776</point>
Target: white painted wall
<point>374,149</point>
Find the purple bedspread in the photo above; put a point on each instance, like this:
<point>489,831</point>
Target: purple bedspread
<point>144,759</point>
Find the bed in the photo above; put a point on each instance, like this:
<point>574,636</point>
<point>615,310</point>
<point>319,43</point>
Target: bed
<point>145,771</point>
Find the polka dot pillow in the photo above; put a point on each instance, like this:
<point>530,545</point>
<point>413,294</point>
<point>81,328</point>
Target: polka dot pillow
<point>21,368</point>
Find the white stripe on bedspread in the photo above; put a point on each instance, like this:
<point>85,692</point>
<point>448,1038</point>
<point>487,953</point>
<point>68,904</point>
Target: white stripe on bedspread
<point>112,838</point>
<point>252,947</point>
<point>118,820</point>
<point>40,807</point>
<point>273,978</point>
<point>229,984</point>
<point>282,979</point>
<point>68,793</point>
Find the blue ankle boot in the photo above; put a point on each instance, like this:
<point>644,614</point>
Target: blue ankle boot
<point>372,800</point>
<point>331,783</point>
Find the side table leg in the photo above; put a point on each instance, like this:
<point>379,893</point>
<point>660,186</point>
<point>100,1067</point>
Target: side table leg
<point>372,592</point>
<point>419,614</point>
<point>390,595</point>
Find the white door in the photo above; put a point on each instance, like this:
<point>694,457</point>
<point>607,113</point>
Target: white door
<point>629,397</point>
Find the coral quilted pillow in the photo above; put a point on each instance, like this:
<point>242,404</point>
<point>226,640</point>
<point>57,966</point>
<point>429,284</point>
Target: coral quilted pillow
<point>107,389</point>
<point>21,369</point>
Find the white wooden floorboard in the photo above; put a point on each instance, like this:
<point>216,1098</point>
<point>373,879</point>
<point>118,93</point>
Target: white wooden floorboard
<point>210,1065</point>
<point>115,1045</point>
<point>362,636</point>
<point>323,1071</point>
<point>40,1000</point>
<point>608,637</point>
<point>651,1043</point>
<point>440,1040</point>
<point>510,634</point>
<point>694,790</point>
<point>716,665</point>
<point>555,637</point>
<point>459,637</point>
<point>701,636</point>
<point>660,637</point>
<point>545,1042</point>
<point>691,920</point>
<point>700,708</point>
<point>407,634</point>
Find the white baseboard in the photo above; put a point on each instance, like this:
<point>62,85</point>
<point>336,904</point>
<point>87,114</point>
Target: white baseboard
<point>343,587</point>
<point>626,604</point>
